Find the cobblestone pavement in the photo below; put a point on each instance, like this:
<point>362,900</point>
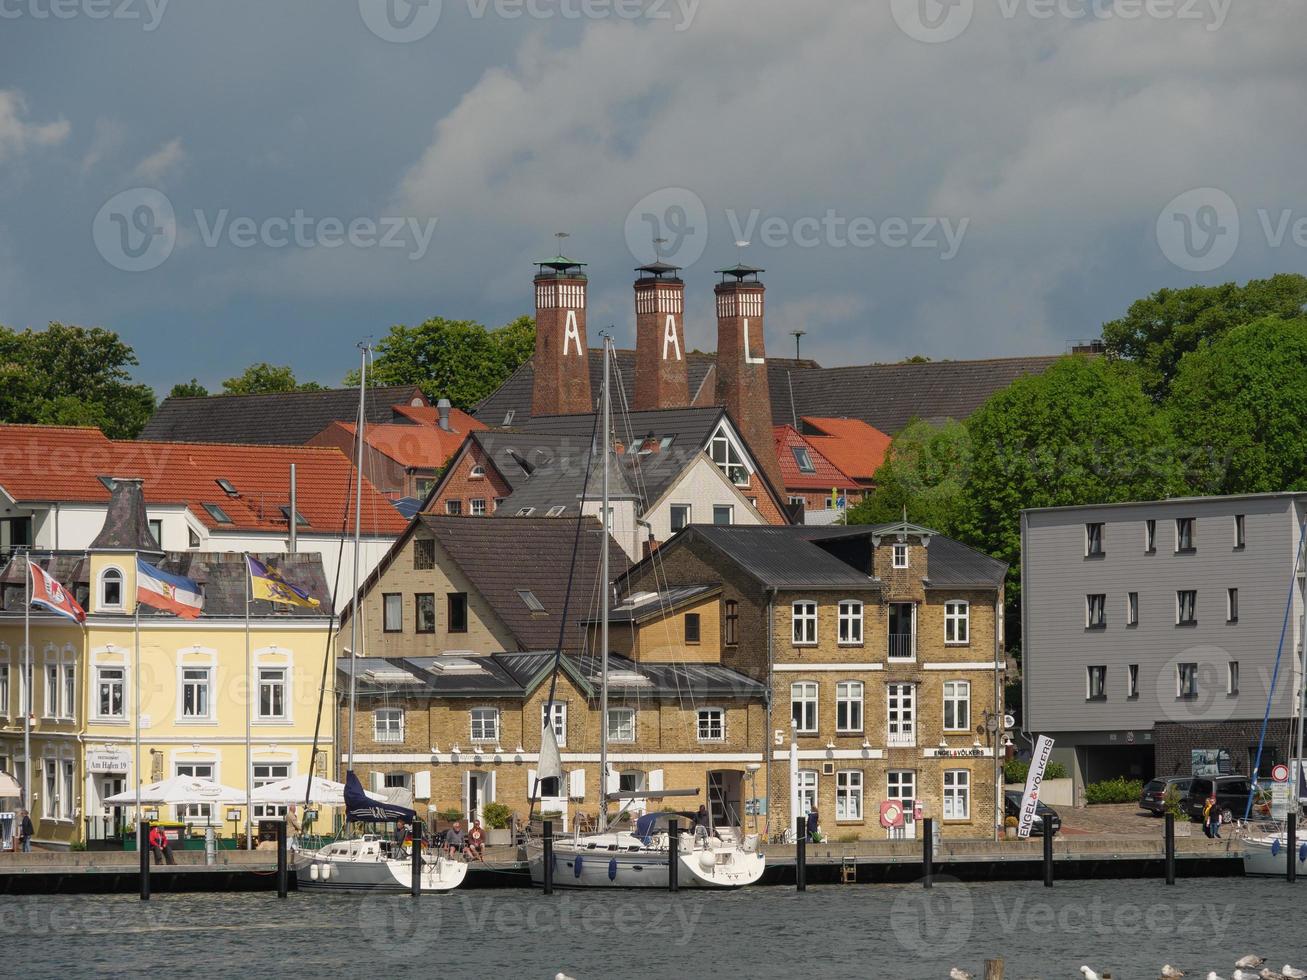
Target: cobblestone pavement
<point>1124,820</point>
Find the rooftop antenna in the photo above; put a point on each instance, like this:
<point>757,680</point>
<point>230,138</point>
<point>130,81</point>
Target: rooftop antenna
<point>658,244</point>
<point>798,336</point>
<point>740,246</point>
<point>562,236</point>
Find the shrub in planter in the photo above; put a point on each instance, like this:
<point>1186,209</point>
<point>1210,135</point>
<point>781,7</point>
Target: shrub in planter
<point>1016,770</point>
<point>497,815</point>
<point>1119,790</point>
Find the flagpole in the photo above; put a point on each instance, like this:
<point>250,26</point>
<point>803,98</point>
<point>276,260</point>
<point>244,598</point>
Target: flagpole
<point>136,685</point>
<point>249,702</point>
<point>27,689</point>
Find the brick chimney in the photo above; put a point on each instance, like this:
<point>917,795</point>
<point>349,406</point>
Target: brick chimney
<point>562,357</point>
<point>662,377</point>
<point>742,364</point>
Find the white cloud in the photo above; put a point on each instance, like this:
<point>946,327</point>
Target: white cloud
<point>106,141</point>
<point>161,162</point>
<point>18,135</point>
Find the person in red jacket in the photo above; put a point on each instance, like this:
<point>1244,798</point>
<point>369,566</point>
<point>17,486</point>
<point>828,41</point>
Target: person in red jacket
<point>159,845</point>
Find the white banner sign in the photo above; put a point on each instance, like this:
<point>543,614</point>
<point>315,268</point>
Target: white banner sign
<point>1034,779</point>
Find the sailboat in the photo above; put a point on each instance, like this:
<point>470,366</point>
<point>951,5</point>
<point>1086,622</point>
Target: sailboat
<point>369,861</point>
<point>638,856</point>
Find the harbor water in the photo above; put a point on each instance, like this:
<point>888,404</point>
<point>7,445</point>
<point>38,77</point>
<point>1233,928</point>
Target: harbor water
<point>1129,928</point>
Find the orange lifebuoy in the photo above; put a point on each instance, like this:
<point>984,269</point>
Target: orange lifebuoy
<point>891,814</point>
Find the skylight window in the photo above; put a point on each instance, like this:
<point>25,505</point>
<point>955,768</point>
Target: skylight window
<point>802,457</point>
<point>532,603</point>
<point>526,512</point>
<point>217,513</point>
<point>556,511</point>
<point>227,488</point>
<point>300,519</point>
<point>666,443</point>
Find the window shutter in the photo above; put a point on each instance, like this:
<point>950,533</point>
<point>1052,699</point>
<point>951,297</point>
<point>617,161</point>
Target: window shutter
<point>613,780</point>
<point>377,781</point>
<point>655,780</point>
<point>530,783</point>
<point>576,778</point>
<point>422,784</point>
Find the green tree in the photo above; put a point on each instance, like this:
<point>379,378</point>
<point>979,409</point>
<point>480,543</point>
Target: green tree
<point>265,378</point>
<point>189,389</point>
<point>456,359</point>
<point>1158,331</point>
<point>1241,404</point>
<point>924,472</point>
<point>71,375</point>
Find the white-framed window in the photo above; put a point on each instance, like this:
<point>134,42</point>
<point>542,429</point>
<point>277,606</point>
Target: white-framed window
<point>557,714</point>
<point>1240,537</point>
<point>680,516</point>
<point>66,791</point>
<point>803,707</point>
<point>1232,677</point>
<point>712,725</point>
<point>728,458</point>
<point>1150,536</point>
<point>901,785</point>
<point>1096,682</point>
<point>397,780</point>
<point>392,612</point>
<point>848,794</point>
<point>485,725</point>
<point>264,773</point>
<point>902,637</point>
<point>1093,539</point>
<point>478,506</point>
<point>111,589</point>
<point>957,794</point>
<point>848,706</point>
<point>1186,606</point>
<point>68,704</point>
<point>1186,680</point>
<point>1132,680</point>
<point>477,471</point>
<point>197,693</point>
<point>807,789</point>
<point>454,508</point>
<point>723,515</point>
<point>900,553</point>
<point>803,621</point>
<point>198,770</point>
<point>50,806</point>
<point>901,710</point>
<point>109,688</point>
<point>850,622</point>
<point>803,459</point>
<point>1184,534</point>
<point>957,621</point>
<point>4,690</point>
<point>51,690</point>
<point>388,724</point>
<point>621,724</point>
<point>557,511</point>
<point>1232,605</point>
<point>1095,611</point>
<point>1132,609</point>
<point>25,694</point>
<point>272,693</point>
<point>630,781</point>
<point>957,706</point>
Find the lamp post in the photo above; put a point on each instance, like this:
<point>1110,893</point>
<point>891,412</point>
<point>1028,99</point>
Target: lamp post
<point>994,725</point>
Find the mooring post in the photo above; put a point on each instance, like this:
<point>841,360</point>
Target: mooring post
<point>801,854</point>
<point>281,859</point>
<point>1293,846</point>
<point>549,857</point>
<point>994,969</point>
<point>1048,857</point>
<point>928,852</point>
<point>143,852</point>
<point>1170,848</point>
<point>673,855</point>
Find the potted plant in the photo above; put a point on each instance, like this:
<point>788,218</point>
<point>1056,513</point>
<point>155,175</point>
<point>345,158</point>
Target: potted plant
<point>498,819</point>
<point>1010,828</point>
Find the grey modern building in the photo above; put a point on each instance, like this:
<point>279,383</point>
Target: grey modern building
<point>1151,630</point>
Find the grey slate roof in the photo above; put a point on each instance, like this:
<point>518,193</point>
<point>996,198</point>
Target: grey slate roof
<point>282,419</point>
<point>886,396</point>
<point>779,558</point>
<point>952,564</point>
<point>560,483</point>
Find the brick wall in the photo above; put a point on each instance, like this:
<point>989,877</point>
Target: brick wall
<point>1174,741</point>
<point>462,486</point>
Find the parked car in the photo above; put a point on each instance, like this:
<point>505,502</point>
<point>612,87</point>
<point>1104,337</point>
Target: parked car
<point>1154,796</point>
<point>1044,814</point>
<point>1231,796</point>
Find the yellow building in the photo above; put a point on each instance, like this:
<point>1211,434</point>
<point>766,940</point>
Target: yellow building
<point>206,687</point>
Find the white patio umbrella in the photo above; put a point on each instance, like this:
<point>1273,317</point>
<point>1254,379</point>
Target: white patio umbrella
<point>9,786</point>
<point>180,791</point>
<point>323,792</point>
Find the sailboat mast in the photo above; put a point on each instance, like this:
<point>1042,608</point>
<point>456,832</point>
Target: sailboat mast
<point>358,526</point>
<point>603,605</point>
<point>1301,573</point>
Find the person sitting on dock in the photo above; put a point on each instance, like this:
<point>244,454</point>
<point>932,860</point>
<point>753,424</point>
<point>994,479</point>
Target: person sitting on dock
<point>454,842</point>
<point>401,838</point>
<point>476,843</point>
<point>159,846</point>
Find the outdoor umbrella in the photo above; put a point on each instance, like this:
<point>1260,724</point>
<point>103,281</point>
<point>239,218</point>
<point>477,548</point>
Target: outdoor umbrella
<point>323,792</point>
<point>9,786</point>
<point>180,791</point>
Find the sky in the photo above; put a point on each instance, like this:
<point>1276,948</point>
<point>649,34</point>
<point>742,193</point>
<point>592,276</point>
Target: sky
<point>277,180</point>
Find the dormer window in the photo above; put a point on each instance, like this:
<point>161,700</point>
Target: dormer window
<point>900,552</point>
<point>478,471</point>
<point>111,589</point>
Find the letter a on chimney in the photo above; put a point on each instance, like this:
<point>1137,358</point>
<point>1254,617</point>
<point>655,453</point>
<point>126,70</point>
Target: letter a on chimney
<point>562,357</point>
<point>661,374</point>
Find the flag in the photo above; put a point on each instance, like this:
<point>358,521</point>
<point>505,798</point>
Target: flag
<point>171,593</point>
<point>268,583</point>
<point>50,595</point>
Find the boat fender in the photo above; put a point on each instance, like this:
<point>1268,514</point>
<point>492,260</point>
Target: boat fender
<point>313,873</point>
<point>612,870</point>
<point>1302,852</point>
<point>1275,847</point>
<point>576,868</point>
<point>706,860</point>
<point>326,872</point>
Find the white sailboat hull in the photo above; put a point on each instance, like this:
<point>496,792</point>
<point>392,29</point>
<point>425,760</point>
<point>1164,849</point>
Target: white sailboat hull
<point>1265,856</point>
<point>344,866</point>
<point>710,868</point>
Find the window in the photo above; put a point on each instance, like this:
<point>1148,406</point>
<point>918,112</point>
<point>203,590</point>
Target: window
<point>457,609</point>
<point>4,690</point>
<point>197,770</point>
<point>803,707</point>
<point>219,515</point>
<point>196,694</point>
<point>111,589</point>
<point>478,506</point>
<point>901,709</point>
<point>957,621</point>
<point>549,788</point>
<point>712,725</point>
<point>795,501</point>
<point>901,785</point>
<point>1186,607</point>
<point>499,502</point>
<point>1232,677</point>
<point>426,612</point>
<point>424,553</point>
<point>803,621</point>
<point>621,724</point>
<point>424,485</point>
<point>485,725</point>
<point>723,514</point>
<point>1150,536</point>
<point>691,627</point>
<point>900,556</point>
<point>51,807</point>
<point>1232,605</point>
<point>526,512</point>
<point>851,622</point>
<point>1096,611</point>
<point>227,487</point>
<point>1132,609</point>
<point>848,706</point>
<point>1184,534</point>
<point>957,794</point>
<point>957,706</point>
<point>848,794</point>
<point>388,725</point>
<point>66,803</point>
<point>807,789</point>
<point>392,612</point>
<point>529,599</point>
<point>680,515</point>
<point>192,538</point>
<point>558,512</point>
<point>1093,540</point>
<point>728,459</point>
<point>803,458</point>
<point>902,631</point>
<point>109,692</point>
<point>453,507</point>
<point>51,690</point>
<point>1186,680</point>
<point>300,519</point>
<point>1132,681</point>
<point>1239,539</point>
<point>265,773</point>
<point>732,623</point>
<point>156,531</point>
<point>272,692</point>
<point>557,712</point>
<point>1096,689</point>
<point>630,781</point>
<point>25,694</point>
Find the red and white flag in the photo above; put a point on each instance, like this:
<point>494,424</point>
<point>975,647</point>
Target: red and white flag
<point>49,594</point>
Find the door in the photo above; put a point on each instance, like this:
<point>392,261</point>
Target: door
<point>724,797</point>
<point>902,789</point>
<point>476,794</point>
<point>111,817</point>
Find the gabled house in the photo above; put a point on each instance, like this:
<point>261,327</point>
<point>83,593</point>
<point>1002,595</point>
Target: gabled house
<point>858,449</point>
<point>811,479</point>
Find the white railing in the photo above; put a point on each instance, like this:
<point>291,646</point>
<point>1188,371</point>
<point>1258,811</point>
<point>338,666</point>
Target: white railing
<point>901,739</point>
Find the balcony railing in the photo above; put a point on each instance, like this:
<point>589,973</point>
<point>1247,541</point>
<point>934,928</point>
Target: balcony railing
<point>902,739</point>
<point>902,646</point>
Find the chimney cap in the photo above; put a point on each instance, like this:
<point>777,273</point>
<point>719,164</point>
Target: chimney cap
<point>561,267</point>
<point>740,272</point>
<point>660,270</point>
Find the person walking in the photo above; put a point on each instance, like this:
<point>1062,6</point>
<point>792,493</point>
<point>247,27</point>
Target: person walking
<point>812,821</point>
<point>1212,818</point>
<point>25,831</point>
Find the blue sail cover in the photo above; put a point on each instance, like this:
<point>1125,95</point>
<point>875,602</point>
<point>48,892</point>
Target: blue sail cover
<point>359,806</point>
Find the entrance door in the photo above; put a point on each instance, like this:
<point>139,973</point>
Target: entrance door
<point>725,797</point>
<point>478,790</point>
<point>111,817</point>
<point>903,789</point>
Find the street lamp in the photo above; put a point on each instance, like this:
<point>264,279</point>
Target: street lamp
<point>995,723</point>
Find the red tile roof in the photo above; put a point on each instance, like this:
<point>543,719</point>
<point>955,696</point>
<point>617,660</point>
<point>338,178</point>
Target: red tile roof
<point>424,445</point>
<point>825,476</point>
<point>459,420</point>
<point>851,444</point>
<point>55,463</point>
